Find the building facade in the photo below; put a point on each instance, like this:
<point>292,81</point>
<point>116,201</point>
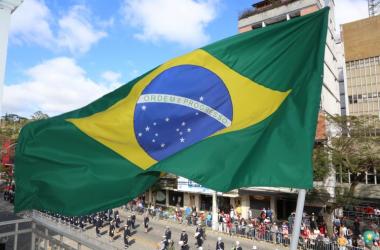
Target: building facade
<point>361,41</point>
<point>264,13</point>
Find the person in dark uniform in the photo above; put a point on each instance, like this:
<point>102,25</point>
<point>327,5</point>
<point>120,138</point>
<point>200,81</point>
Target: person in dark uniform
<point>111,231</point>
<point>199,239</point>
<point>97,226</point>
<point>146,222</point>
<point>117,222</point>
<point>237,246</point>
<point>219,244</point>
<point>129,221</point>
<point>199,230</point>
<point>164,244</point>
<point>127,234</point>
<point>109,214</point>
<point>100,220</point>
<point>184,240</point>
<point>133,218</point>
<point>313,222</point>
<point>168,233</point>
<point>81,223</point>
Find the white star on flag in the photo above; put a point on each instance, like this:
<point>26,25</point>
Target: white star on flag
<point>182,139</point>
<point>162,145</point>
<point>153,140</point>
<point>143,107</point>
<point>183,123</point>
<point>201,98</point>
<point>139,134</point>
<point>156,134</point>
<point>167,119</point>
<point>189,130</point>
<point>147,128</point>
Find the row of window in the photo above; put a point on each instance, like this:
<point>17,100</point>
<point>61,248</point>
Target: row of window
<point>363,63</point>
<point>363,97</point>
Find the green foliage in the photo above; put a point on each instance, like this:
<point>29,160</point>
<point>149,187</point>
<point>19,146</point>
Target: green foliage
<point>11,124</point>
<point>39,115</point>
<point>356,147</point>
<point>321,166</point>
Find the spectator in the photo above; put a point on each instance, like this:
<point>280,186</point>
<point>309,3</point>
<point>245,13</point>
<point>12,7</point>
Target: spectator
<point>342,242</point>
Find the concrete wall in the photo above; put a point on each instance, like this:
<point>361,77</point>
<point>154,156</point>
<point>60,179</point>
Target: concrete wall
<point>362,38</point>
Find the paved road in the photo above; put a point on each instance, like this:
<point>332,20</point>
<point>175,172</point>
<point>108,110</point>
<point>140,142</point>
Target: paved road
<point>148,241</point>
<point>141,240</point>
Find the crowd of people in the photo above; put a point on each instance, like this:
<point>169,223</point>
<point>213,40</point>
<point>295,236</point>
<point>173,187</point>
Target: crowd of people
<point>346,234</point>
<point>314,233</point>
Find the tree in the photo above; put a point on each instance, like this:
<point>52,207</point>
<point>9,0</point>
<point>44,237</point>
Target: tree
<point>352,150</point>
<point>39,115</point>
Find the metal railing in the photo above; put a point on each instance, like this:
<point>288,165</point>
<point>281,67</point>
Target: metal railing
<point>12,231</point>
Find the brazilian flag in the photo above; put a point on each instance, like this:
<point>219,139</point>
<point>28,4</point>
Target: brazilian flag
<point>240,112</point>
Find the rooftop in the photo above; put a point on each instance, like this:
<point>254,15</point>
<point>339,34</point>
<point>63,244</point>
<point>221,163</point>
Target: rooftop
<point>263,6</point>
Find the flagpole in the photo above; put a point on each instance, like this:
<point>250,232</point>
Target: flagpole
<point>298,219</point>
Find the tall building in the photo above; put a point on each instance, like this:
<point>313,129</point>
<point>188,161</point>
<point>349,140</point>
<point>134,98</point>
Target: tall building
<point>361,41</point>
<point>268,12</point>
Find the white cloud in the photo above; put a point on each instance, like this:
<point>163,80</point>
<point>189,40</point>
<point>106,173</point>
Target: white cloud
<point>76,31</point>
<point>30,24</point>
<point>111,76</point>
<point>54,86</point>
<point>180,21</point>
<point>350,10</point>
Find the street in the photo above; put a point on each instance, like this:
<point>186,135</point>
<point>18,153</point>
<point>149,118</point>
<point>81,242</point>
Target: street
<point>141,240</point>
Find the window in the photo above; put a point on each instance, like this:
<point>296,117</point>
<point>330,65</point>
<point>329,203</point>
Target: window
<point>350,99</point>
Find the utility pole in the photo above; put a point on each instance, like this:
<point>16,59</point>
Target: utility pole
<point>373,7</point>
<point>7,7</point>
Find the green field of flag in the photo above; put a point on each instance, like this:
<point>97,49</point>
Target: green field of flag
<point>240,112</point>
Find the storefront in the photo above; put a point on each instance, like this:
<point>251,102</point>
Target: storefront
<point>175,198</point>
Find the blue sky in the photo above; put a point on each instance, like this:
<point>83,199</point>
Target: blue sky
<point>64,54</point>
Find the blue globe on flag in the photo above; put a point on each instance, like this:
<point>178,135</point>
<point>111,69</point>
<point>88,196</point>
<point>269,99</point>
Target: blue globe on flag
<point>181,106</point>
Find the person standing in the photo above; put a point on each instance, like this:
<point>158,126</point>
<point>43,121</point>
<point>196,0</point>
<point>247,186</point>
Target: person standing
<point>118,222</point>
<point>146,221</point>
<point>97,226</point>
<point>111,231</point>
<point>81,223</point>
<point>133,218</point>
<point>164,243</point>
<point>127,233</point>
<point>313,222</point>
<point>219,244</point>
<point>129,221</point>
<point>199,239</point>
<point>342,242</point>
<point>168,233</point>
<point>183,240</point>
<point>237,246</point>
<point>199,230</point>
